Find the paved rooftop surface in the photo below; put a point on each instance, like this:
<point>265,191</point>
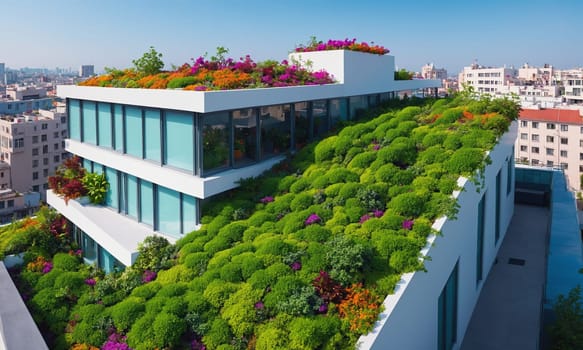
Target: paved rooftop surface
<point>508,312</point>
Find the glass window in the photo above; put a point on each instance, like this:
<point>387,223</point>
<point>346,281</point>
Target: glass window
<point>245,129</point>
<point>523,123</point>
<point>75,120</point>
<point>89,249</point>
<point>320,117</point>
<point>168,211</point>
<point>358,104</point>
<point>447,312</point>
<point>524,136</point>
<point>564,127</point>
<point>550,126</point>
<point>215,140</point>
<point>118,121</point>
<point>535,125</point>
<point>146,202</point>
<point>480,240</point>
<point>550,139</point>
<point>302,124</point>
<point>535,137</point>
<point>564,141</point>
<point>104,117</point>
<point>111,197</point>
<point>189,213</point>
<point>338,110</point>
<point>132,199</point>
<point>563,153</point>
<point>152,133</point>
<point>179,140</point>
<point>275,130</point>
<point>498,195</point>
<point>89,122</point>
<point>134,131</point>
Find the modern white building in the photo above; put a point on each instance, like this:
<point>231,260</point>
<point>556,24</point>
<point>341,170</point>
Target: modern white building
<point>552,138</point>
<point>165,151</point>
<point>489,80</point>
<point>429,71</point>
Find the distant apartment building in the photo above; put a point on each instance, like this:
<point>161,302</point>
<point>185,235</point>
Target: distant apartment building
<point>429,71</point>
<point>572,81</point>
<point>537,75</point>
<point>24,99</point>
<point>486,79</point>
<point>2,73</point>
<point>86,71</point>
<point>552,138</point>
<point>33,145</point>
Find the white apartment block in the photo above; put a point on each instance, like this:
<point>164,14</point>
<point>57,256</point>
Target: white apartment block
<point>552,138</point>
<point>33,145</point>
<point>429,71</point>
<point>573,82</point>
<point>487,79</point>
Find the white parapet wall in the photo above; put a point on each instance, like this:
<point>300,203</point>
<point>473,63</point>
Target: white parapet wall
<point>410,318</point>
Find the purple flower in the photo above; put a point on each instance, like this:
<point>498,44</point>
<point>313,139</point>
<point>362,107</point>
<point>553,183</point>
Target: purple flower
<point>200,88</point>
<point>259,305</point>
<point>323,308</point>
<point>116,342</point>
<point>364,218</point>
<point>408,224</point>
<point>197,345</point>
<point>90,282</point>
<point>378,213</point>
<point>47,267</point>
<point>296,265</point>
<point>266,199</point>
<point>148,276</point>
<point>376,147</point>
<point>312,219</point>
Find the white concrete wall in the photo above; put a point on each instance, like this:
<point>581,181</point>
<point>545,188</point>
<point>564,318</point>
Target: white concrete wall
<point>410,317</point>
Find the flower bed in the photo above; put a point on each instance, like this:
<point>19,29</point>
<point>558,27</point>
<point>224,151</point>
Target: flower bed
<point>72,181</point>
<point>303,256</point>
<point>346,44</point>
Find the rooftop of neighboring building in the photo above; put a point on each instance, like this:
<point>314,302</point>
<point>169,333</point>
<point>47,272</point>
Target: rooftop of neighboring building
<point>566,116</point>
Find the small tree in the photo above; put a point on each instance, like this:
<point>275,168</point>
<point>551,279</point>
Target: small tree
<point>567,330</point>
<point>150,63</point>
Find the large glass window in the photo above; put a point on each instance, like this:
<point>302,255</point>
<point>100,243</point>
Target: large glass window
<point>245,137</point>
<point>89,122</point>
<point>447,313</point>
<point>320,117</point>
<point>111,197</point>
<point>168,211</point>
<point>152,132</point>
<point>179,150</point>
<point>302,124</point>
<point>89,249</point>
<point>132,199</point>
<point>146,202</point>
<point>118,120</point>
<point>275,130</point>
<point>215,141</point>
<point>498,190</point>
<point>75,120</point>
<point>104,118</point>
<point>480,239</point>
<point>134,131</point>
<point>338,110</point>
<point>357,106</point>
<point>189,213</point>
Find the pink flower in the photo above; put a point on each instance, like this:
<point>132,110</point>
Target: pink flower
<point>364,218</point>
<point>408,224</point>
<point>47,267</point>
<point>296,265</point>
<point>378,213</point>
<point>148,276</point>
<point>312,219</point>
<point>90,282</point>
<point>266,199</point>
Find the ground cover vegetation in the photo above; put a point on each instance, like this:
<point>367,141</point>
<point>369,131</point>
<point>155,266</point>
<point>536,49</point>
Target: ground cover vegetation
<point>299,258</point>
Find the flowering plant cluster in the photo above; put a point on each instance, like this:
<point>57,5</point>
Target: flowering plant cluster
<point>408,224</point>
<point>345,44</point>
<point>375,214</point>
<point>218,73</point>
<point>116,342</point>
<point>40,264</point>
<point>360,308</point>
<point>67,181</point>
<point>149,276</point>
<point>312,219</point>
<point>266,199</point>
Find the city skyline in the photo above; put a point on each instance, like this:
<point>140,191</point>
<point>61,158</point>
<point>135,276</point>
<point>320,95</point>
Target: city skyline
<point>68,33</point>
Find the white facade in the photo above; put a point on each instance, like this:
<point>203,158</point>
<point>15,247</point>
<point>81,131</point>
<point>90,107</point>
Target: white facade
<point>429,71</point>
<point>410,319</point>
<point>367,78</point>
<point>487,79</point>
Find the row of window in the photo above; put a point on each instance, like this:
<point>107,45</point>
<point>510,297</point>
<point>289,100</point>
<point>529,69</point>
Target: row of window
<point>550,126</point>
<point>549,139</point>
<point>56,159</point>
<point>549,163</point>
<point>45,149</point>
<point>205,143</point>
<point>163,209</point>
<point>549,151</point>
<point>7,204</point>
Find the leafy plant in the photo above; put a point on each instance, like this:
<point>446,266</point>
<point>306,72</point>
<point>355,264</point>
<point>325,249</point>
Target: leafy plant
<point>96,186</point>
<point>150,62</point>
<point>567,330</point>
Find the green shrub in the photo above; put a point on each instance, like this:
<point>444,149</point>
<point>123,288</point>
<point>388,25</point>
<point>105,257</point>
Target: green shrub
<point>126,312</point>
<point>300,185</point>
<point>313,233</point>
<point>175,274</point>
<point>452,142</point>
<point>338,175</point>
<point>259,217</point>
<point>176,306</point>
<point>346,259</point>
<point>464,161</point>
<point>96,186</point>
<point>219,334</point>
<point>72,282</point>
<point>142,335</point>
<point>362,160</point>
<point>312,332</point>
<point>325,149</point>
<point>217,244</point>
<point>217,292</point>
<point>197,262</point>
<point>178,83</point>
<point>409,204</point>
<point>292,296</point>
<point>92,326</point>
<point>434,138</point>
<point>271,337</point>
<point>66,262</point>
<point>450,116</point>
<point>369,199</point>
<point>231,273</point>
<point>239,310</point>
<point>155,253</point>
<point>249,264</point>
<point>146,291</point>
<point>172,290</point>
<point>402,150</point>
<point>301,201</point>
<point>565,332</point>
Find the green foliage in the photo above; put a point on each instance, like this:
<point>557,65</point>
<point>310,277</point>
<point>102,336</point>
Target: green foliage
<point>403,74</point>
<point>178,83</point>
<point>567,330</point>
<point>311,332</point>
<point>96,186</point>
<point>409,204</point>
<point>150,63</point>
<point>239,310</point>
<point>66,262</point>
<point>217,292</point>
<point>126,312</point>
<point>167,330</point>
<point>465,161</point>
<point>219,333</point>
<point>155,253</point>
<point>346,259</point>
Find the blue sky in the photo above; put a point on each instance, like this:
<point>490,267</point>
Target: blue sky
<point>452,34</point>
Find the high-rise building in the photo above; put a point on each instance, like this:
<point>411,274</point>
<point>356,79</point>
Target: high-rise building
<point>86,71</point>
<point>2,73</point>
<point>33,145</point>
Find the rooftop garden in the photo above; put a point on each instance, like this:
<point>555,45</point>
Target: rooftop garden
<point>300,258</point>
<point>223,73</point>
